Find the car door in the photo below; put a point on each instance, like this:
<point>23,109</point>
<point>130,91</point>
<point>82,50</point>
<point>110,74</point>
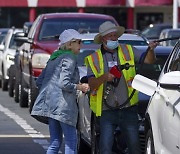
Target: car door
<point>169,120</point>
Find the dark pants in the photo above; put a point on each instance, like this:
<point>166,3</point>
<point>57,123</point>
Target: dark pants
<point>127,120</point>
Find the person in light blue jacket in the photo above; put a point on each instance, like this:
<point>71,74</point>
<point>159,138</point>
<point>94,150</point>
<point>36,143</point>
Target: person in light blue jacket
<point>58,84</point>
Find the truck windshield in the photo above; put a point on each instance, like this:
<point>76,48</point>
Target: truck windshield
<point>54,27</point>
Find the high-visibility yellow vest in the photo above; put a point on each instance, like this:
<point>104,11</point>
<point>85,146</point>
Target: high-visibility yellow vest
<point>96,98</point>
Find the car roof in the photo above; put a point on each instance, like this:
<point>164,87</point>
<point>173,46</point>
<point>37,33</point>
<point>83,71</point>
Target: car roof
<point>160,24</point>
<point>170,29</point>
<point>76,15</point>
<point>15,30</point>
<point>3,30</point>
<point>125,36</point>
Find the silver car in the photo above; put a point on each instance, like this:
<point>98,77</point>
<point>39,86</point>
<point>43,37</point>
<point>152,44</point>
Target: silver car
<point>7,52</point>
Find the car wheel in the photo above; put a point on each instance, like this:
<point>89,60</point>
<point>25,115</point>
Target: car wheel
<point>23,95</point>
<point>94,137</point>
<point>11,80</point>
<point>149,143</point>
<point>32,94</point>
<point>16,86</point>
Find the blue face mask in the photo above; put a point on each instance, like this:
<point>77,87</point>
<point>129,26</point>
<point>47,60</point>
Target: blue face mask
<point>112,44</point>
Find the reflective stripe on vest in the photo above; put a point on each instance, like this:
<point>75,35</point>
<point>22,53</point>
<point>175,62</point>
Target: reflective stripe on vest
<point>130,73</point>
<point>96,99</point>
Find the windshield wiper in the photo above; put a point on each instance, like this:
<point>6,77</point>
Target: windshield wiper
<point>50,37</point>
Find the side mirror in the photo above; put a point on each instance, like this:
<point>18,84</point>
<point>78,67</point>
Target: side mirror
<point>144,85</point>
<point>170,80</point>
<point>27,27</point>
<point>21,39</point>
<point>20,34</point>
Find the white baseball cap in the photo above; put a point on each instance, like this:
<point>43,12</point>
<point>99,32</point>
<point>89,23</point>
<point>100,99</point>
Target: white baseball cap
<point>68,35</point>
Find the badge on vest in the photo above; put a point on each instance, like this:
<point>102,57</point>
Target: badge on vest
<point>112,63</point>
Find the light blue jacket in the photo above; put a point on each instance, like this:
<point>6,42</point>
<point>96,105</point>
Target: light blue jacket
<point>57,95</point>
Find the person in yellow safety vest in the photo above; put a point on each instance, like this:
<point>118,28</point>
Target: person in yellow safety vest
<point>111,70</point>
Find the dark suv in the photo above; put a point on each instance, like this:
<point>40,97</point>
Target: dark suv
<point>42,40</point>
<point>152,32</point>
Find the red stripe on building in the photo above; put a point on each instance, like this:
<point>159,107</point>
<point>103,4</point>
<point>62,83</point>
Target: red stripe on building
<point>13,3</point>
<point>153,2</point>
<point>56,3</point>
<point>105,2</point>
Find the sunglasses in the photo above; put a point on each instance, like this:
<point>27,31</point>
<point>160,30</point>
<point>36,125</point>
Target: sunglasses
<point>77,41</point>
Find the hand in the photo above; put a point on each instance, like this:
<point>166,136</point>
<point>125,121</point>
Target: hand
<point>83,87</point>
<point>153,45</point>
<point>115,71</point>
<point>109,76</point>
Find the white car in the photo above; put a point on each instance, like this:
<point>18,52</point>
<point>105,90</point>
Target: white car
<point>162,120</point>
<point>7,53</point>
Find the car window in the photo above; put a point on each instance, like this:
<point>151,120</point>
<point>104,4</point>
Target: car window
<point>152,32</point>
<point>14,44</point>
<point>173,62</point>
<point>173,34</point>
<point>153,71</point>
<point>2,35</point>
<point>81,56</point>
<point>133,42</point>
<point>52,27</point>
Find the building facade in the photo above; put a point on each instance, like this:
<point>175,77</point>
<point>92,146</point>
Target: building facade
<point>133,14</point>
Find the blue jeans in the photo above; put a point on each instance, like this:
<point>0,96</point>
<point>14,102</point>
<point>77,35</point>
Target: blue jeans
<point>127,120</point>
<point>57,129</point>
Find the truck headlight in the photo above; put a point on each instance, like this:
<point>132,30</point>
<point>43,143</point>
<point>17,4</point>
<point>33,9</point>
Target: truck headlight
<point>39,60</point>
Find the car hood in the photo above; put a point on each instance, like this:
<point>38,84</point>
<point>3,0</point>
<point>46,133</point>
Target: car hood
<point>47,46</point>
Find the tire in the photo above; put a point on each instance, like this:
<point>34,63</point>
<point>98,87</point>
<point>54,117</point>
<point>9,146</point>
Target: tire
<point>11,80</point>
<point>94,136</point>
<point>16,86</point>
<point>23,95</point>
<point>32,94</point>
<point>149,143</point>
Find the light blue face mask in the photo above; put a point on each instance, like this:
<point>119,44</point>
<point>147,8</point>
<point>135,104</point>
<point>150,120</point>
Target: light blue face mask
<point>112,44</point>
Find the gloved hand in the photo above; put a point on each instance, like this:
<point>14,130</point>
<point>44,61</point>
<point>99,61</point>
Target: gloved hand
<point>115,71</point>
